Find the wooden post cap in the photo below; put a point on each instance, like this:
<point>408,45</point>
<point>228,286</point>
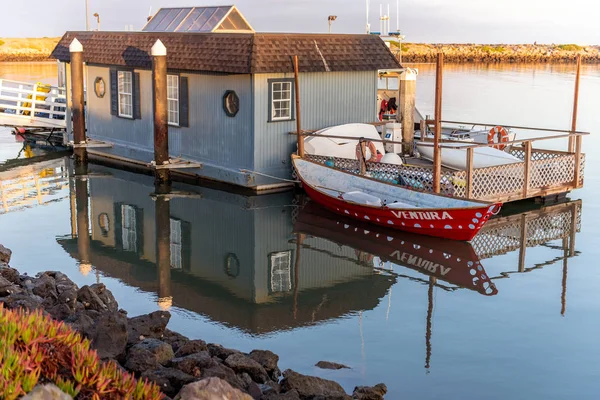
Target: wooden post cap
<point>158,49</point>
<point>75,46</point>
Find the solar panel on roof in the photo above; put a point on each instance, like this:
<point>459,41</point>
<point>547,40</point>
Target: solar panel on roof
<point>197,19</point>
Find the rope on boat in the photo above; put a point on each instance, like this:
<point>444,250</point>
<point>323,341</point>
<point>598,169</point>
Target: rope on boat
<point>268,176</point>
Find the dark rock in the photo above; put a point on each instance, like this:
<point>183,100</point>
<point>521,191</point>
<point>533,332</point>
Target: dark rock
<point>241,363</point>
<point>170,380</point>
<point>370,392</point>
<point>7,287</point>
<point>330,365</point>
<point>309,387</point>
<point>216,350</point>
<point>193,364</point>
<point>251,387</point>
<point>191,347</point>
<point>211,389</point>
<point>5,254</point>
<point>59,311</point>
<point>46,392</point>
<point>291,395</point>
<point>176,341</point>
<point>269,387</point>
<point>148,354</point>
<point>90,299</point>
<point>45,287</point>
<point>11,275</point>
<point>148,326</point>
<point>106,296</point>
<point>223,372</point>
<point>83,322</point>
<point>268,360</point>
<point>110,335</point>
<point>25,301</point>
<point>66,289</point>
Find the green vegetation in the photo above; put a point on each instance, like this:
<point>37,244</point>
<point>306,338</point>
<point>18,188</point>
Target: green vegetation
<point>1,42</point>
<point>493,49</point>
<point>35,348</point>
<point>570,47</point>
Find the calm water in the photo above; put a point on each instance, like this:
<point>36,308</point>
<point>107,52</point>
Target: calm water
<point>396,308</point>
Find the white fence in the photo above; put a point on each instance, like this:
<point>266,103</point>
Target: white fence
<point>37,105</point>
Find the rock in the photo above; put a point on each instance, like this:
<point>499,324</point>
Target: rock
<point>211,389</point>
<point>25,301</point>
<point>5,254</point>
<point>176,341</point>
<point>45,287</point>
<point>59,311</point>
<point>241,363</point>
<point>268,360</point>
<point>191,347</point>
<point>216,350</point>
<point>83,322</point>
<point>106,296</point>
<point>46,392</point>
<point>193,364</point>
<point>252,389</point>
<point>151,326</point>
<point>90,299</point>
<point>291,395</point>
<point>224,372</point>
<point>11,275</point>
<point>309,387</point>
<point>269,387</point>
<point>148,354</point>
<point>330,365</point>
<point>110,335</point>
<point>7,287</point>
<point>370,392</point>
<point>170,380</point>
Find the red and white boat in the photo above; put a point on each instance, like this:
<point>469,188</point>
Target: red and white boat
<point>391,205</point>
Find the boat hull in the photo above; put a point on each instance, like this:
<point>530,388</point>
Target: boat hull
<point>455,224</point>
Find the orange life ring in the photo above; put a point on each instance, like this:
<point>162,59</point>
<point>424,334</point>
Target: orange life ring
<point>372,149</point>
<point>501,134</point>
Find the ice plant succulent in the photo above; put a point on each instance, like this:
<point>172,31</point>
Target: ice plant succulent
<point>35,348</point>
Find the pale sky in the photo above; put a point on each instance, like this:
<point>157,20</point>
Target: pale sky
<point>437,21</point>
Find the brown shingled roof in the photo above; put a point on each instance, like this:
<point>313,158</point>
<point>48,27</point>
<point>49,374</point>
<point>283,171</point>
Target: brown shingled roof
<point>234,53</point>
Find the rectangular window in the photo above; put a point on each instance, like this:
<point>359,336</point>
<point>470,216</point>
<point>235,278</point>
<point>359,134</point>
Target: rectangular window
<point>281,265</point>
<point>281,101</point>
<point>129,230</point>
<point>173,99</point>
<point>125,84</point>
<point>176,244</point>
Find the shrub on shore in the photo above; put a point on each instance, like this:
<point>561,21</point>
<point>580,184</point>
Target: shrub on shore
<point>570,47</point>
<point>37,349</point>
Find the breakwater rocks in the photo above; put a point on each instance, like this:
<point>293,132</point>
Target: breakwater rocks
<point>524,53</point>
<point>182,368</point>
<point>26,49</point>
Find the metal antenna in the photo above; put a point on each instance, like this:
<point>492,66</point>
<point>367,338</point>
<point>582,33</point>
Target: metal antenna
<point>87,16</point>
<point>398,16</point>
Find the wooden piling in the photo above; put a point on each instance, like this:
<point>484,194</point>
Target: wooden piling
<point>575,104</point>
<point>298,125</point>
<point>527,172</point>
<point>362,161</point>
<point>83,219</point>
<point>76,50</point>
<point>577,171</point>
<point>437,151</point>
<point>161,108</point>
<point>163,244</point>
<point>469,183</point>
<point>408,91</point>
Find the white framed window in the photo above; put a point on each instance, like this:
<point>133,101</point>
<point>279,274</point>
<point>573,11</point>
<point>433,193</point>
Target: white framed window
<point>125,85</point>
<point>176,244</point>
<point>281,267</point>
<point>173,99</point>
<point>129,228</point>
<point>281,100</point>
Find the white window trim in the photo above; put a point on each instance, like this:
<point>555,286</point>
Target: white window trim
<point>272,105</point>
<point>124,93</point>
<point>277,284</point>
<point>176,244</point>
<point>177,100</point>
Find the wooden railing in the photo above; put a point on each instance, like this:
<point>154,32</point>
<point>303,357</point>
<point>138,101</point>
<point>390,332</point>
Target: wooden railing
<point>26,101</point>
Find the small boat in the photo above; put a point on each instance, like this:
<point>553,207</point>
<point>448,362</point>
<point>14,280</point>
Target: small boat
<point>342,147</point>
<point>447,260</point>
<point>456,157</point>
<point>391,205</point>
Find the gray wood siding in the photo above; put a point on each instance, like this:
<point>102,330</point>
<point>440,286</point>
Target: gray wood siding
<point>326,99</point>
<point>212,136</point>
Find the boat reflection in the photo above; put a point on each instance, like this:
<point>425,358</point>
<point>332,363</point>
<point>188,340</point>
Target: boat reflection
<point>447,260</point>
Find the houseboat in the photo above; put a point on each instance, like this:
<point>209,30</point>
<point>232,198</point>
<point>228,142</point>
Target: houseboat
<point>231,94</point>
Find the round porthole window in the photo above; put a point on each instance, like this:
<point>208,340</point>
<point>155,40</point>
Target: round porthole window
<point>99,87</point>
<point>104,223</point>
<point>231,103</point>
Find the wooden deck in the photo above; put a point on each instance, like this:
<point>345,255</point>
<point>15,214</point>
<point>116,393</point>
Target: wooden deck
<point>30,105</point>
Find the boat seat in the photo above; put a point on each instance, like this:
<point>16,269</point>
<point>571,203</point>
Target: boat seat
<point>400,205</point>
<point>362,198</point>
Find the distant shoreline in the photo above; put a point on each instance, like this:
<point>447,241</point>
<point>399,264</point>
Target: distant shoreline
<point>39,50</point>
